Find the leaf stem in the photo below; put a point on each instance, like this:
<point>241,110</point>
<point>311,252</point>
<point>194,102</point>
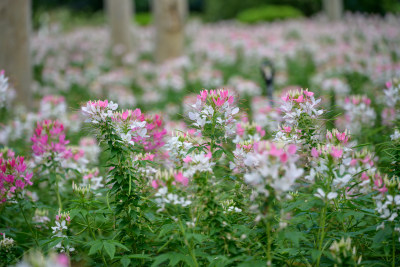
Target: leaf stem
<point>29,225</point>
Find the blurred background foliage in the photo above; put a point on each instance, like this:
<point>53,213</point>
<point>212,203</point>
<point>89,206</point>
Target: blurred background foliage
<point>210,10</point>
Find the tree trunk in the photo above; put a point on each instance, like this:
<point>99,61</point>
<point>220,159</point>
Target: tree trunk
<point>333,9</point>
<point>15,28</point>
<point>120,15</point>
<point>169,19</point>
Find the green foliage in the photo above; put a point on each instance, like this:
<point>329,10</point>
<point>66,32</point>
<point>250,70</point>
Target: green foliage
<point>268,13</point>
<point>143,19</point>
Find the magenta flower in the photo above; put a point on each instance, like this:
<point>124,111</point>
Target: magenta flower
<point>13,175</point>
<point>49,140</point>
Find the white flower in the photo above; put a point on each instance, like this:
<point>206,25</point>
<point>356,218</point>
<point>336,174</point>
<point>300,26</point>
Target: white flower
<point>396,135</point>
<point>321,194</point>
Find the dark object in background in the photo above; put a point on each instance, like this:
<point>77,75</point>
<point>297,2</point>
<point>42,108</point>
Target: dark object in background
<point>268,73</point>
<point>91,6</point>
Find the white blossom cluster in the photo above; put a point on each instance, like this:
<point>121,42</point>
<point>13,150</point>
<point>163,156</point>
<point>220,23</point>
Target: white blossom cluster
<point>245,87</point>
<point>336,85</point>
<point>162,197</point>
<point>358,113</point>
<point>177,147</point>
<point>215,106</point>
<point>98,111</point>
<point>296,103</point>
<point>7,94</point>
<point>392,94</point>
<point>59,231</point>
<point>6,242</point>
<point>272,169</point>
<point>200,162</point>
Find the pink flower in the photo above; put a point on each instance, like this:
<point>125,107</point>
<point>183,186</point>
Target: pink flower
<point>283,157</point>
<point>13,175</point>
<point>239,129</point>
<point>275,152</point>
<point>353,162</point>
<point>154,184</point>
<point>181,179</point>
<point>300,99</point>
<point>364,176</point>
<point>219,102</point>
<point>292,149</point>
<point>63,260</point>
<point>287,129</point>
<point>187,159</point>
<point>309,94</point>
<point>336,153</point>
<point>315,153</point>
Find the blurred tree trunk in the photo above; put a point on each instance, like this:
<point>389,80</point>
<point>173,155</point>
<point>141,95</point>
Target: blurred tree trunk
<point>333,9</point>
<point>169,19</point>
<point>120,15</point>
<point>15,30</point>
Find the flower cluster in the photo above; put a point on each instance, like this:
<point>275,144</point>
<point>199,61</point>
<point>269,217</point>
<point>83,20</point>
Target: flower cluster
<point>388,201</point>
<point>14,174</point>
<point>6,242</point>
<point>272,171</point>
<point>7,94</point>
<point>178,146</point>
<point>197,162</point>
<point>36,258</point>
<point>336,85</point>
<point>300,115</point>
<point>155,131</point>
<point>265,115</point>
<point>98,111</point>
<point>49,143</point>
<point>129,126</point>
<point>344,254</point>
<point>295,104</point>
<point>93,179</point>
<point>214,109</point>
<point>358,113</point>
<point>244,87</point>
<point>392,103</point>
<point>168,185</point>
<point>240,154</point>
<point>60,231</point>
<point>248,132</point>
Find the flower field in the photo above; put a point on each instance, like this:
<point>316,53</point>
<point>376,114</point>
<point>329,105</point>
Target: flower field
<point>124,162</point>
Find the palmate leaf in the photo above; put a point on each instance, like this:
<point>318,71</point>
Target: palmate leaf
<point>174,258</point>
<point>295,237</point>
<point>96,246</point>
<point>109,248</point>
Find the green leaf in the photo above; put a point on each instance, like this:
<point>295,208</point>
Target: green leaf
<point>381,235</point>
<point>125,261</point>
<point>175,258</point>
<point>109,248</point>
<point>295,237</point>
<point>97,246</point>
<point>120,245</point>
<point>160,259</point>
<point>166,229</point>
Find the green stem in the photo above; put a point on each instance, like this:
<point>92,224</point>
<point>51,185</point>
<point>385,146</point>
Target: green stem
<point>321,234</point>
<point>268,224</point>
<point>191,252</point>
<point>393,247</point>
<point>29,225</point>
<point>94,238</point>
<point>212,142</point>
<point>58,194</point>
